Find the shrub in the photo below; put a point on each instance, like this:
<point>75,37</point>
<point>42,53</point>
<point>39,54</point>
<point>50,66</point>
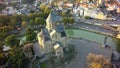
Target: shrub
<point>87,17</point>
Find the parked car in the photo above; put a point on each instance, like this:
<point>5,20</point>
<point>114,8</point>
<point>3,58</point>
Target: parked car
<point>113,19</point>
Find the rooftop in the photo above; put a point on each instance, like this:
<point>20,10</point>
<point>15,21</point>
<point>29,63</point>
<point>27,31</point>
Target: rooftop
<point>53,17</point>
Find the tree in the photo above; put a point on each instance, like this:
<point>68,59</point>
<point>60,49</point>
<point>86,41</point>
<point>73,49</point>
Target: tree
<point>12,40</point>
<point>13,22</point>
<point>32,23</point>
<point>2,6</point>
<point>37,20</point>
<point>98,61</point>
<point>71,20</point>
<point>64,14</point>
<point>43,22</point>
<point>12,4</point>
<point>4,20</point>
<point>17,17</point>
<point>39,14</point>
<point>65,20</point>
<point>17,58</point>
<point>42,7</point>
<point>31,37</point>
<point>31,16</point>
<point>30,34</point>
<point>117,41</point>
<point>28,31</point>
<point>78,0</point>
<point>47,9</point>
<point>45,15</point>
<point>87,17</point>
<point>24,23</point>
<point>95,65</point>
<point>3,59</point>
<point>90,1</point>
<point>4,28</point>
<point>65,0</point>
<point>2,35</point>
<point>10,27</point>
<point>24,17</point>
<point>27,1</point>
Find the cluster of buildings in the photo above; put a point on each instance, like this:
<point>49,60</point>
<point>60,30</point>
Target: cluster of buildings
<point>20,8</point>
<point>96,9</point>
<point>10,1</point>
<point>23,9</point>
<point>53,37</point>
<point>91,12</point>
<point>52,40</point>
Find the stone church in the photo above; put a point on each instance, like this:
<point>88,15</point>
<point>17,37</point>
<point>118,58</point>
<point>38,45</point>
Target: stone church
<point>53,37</point>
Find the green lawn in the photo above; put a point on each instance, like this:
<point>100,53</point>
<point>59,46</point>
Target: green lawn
<point>43,65</point>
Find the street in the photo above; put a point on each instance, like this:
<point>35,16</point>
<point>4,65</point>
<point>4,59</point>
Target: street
<point>78,19</point>
<point>95,24</point>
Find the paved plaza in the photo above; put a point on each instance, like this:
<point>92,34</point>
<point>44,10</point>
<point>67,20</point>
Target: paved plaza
<point>83,48</point>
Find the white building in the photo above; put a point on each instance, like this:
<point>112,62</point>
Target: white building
<point>91,12</point>
<point>79,11</point>
<point>11,10</point>
<point>10,1</point>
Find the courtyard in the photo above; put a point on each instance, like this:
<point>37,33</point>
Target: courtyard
<point>84,47</point>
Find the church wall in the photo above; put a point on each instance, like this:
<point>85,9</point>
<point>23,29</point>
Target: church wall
<point>61,39</point>
<point>48,47</point>
<point>55,36</point>
<point>59,51</point>
<point>40,41</point>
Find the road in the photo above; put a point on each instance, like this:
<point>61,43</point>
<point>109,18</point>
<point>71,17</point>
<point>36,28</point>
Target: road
<point>91,24</point>
<point>117,17</point>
